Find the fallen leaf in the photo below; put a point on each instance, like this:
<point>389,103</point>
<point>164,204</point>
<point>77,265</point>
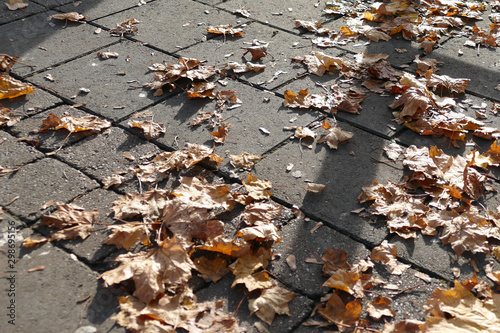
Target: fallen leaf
<point>16,4</point>
<point>151,129</point>
<point>211,270</point>
<point>257,51</point>
<point>386,253</point>
<point>335,311</point>
<point>93,124</point>
<point>12,88</point>
<point>257,189</point>
<point>6,62</point>
<point>261,213</point>
<point>34,240</point>
<point>221,133</point>
<point>226,30</point>
<point>335,136</point>
<point>244,160</point>
<point>72,220</point>
<point>379,307</point>
<point>260,233</point>
<point>126,27</point>
<point>271,302</point>
<point>127,235</point>
<point>247,271</point>
<point>202,90</point>
<point>107,55</point>
<point>315,188</point>
<point>71,16</point>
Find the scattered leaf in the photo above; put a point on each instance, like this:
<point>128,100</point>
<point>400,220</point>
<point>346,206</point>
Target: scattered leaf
<point>151,129</point>
<point>12,88</point>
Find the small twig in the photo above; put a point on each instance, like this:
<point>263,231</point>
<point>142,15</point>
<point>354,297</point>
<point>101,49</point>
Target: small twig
<point>62,145</point>
<point>239,304</point>
<point>405,290</point>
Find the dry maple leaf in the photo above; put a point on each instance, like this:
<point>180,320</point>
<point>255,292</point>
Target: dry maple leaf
<point>113,180</point>
<point>261,213</point>
<point>72,220</point>
<point>246,67</point>
<point>346,280</point>
<point>271,301</point>
<point>257,189</point>
<point>149,205</point>
<point>336,312</point>
<point>260,233</point>
<point>231,247</point>
<point>211,270</point>
<point>244,160</point>
<point>319,63</point>
<point>12,88</point>
<point>170,313</point>
<point>257,51</point>
<point>126,27</point>
<point>333,261</point>
<point>71,16</point>
<point>6,62</point>
<point>458,310</point>
<point>167,265</point>
<point>34,240</point>
<point>226,30</point>
<point>16,4</point>
<point>221,133</point>
<point>386,253</point>
<point>335,136</point>
<point>202,90</point>
<point>151,129</point>
<point>247,271</point>
<point>127,235</point>
<point>93,124</point>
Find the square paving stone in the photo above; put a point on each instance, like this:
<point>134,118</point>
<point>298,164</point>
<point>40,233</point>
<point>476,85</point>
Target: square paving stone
<point>277,13</point>
<point>344,172</point>
<point>95,9</point>
<point>39,182</point>
<point>92,248</point>
<point>50,140</point>
<point>50,299</point>
<point>300,306</point>
<point>279,66</point>
<point>31,103</point>
<point>43,43</point>
<point>244,134</point>
<point>14,153</point>
<point>482,68</point>
<point>375,114</point>
<point>160,19</point>
<point>111,95</point>
<point>7,15</point>
<point>298,240</point>
<point>102,155</point>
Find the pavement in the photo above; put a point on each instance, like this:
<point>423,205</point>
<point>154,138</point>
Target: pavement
<point>66,295</point>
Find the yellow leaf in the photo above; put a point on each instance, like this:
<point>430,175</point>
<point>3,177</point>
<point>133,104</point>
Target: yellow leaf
<point>12,88</point>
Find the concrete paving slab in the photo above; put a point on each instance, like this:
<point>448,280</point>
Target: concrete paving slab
<point>86,154</point>
<point>50,140</point>
<point>43,43</point>
<point>160,18</point>
<point>48,179</point>
<point>7,15</point>
<point>279,14</point>
<point>113,96</point>
<point>374,115</point>
<point>30,104</point>
<point>300,306</point>
<point>14,153</point>
<point>279,66</point>
<point>54,3</point>
<point>57,295</point>
<point>480,67</point>
<point>344,172</point>
<point>298,240</point>
<point>95,9</point>
<point>92,250</point>
<point>244,134</point>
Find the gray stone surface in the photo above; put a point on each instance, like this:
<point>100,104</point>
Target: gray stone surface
<point>30,104</point>
<point>244,134</point>
<point>160,16</point>
<point>43,43</point>
<point>112,96</point>
<point>335,169</point>
<point>14,153</point>
<point>7,15</point>
<point>64,294</point>
<point>279,66</point>
<point>95,9</point>
<point>85,155</point>
<point>37,183</point>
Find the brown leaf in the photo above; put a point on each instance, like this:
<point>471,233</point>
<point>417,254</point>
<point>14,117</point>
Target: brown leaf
<point>113,180</point>
<point>151,129</point>
<point>226,29</point>
<point>34,240</point>
<point>246,67</point>
<point>166,265</point>
<point>244,270</point>
<point>333,261</point>
<point>257,189</point>
<point>12,88</point>
<point>202,90</point>
<point>244,160</point>
<point>319,63</point>
<point>232,247</point>
<point>93,124</point>
<point>7,117</point>
<point>260,213</point>
<point>149,205</point>
<point>271,302</point>
<point>73,221</point>
<point>315,188</point>
<point>127,235</point>
<point>71,16</point>
<point>6,62</point>
<point>380,306</point>
<point>346,280</point>
<point>386,253</point>
<point>16,4</point>
<point>336,311</point>
<point>337,135</point>
<point>211,270</point>
<point>126,27</point>
<point>221,133</point>
<point>107,55</point>
<point>257,51</point>
<point>260,233</point>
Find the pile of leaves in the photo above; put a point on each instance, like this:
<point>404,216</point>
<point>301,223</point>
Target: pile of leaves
<point>441,195</point>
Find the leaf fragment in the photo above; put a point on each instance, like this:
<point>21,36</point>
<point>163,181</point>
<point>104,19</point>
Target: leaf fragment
<point>271,302</point>
<point>71,16</point>
<point>244,160</point>
<point>151,129</point>
<point>12,88</point>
